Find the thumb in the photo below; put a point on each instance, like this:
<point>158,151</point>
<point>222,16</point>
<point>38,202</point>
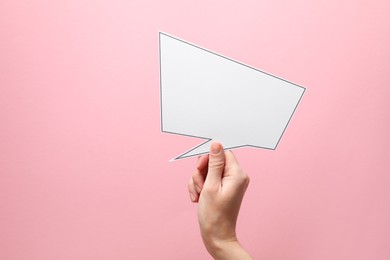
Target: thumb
<point>216,165</point>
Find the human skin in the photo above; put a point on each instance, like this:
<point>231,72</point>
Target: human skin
<point>218,185</point>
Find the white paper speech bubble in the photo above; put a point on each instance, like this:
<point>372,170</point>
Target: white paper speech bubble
<point>209,96</point>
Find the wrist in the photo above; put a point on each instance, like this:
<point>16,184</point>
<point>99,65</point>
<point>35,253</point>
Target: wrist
<point>214,244</point>
<point>226,249</point>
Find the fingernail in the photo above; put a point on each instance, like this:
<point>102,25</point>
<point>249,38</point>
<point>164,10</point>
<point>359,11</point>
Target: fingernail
<point>192,197</point>
<point>215,148</point>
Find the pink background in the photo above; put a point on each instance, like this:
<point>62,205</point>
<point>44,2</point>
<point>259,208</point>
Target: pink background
<point>84,167</point>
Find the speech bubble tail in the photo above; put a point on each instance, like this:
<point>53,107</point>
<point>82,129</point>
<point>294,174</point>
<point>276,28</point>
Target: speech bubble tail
<point>203,148</point>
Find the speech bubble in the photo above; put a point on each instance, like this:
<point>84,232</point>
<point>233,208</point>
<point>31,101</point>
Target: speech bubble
<point>210,96</point>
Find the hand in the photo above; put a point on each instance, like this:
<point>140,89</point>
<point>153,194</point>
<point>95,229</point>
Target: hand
<point>218,185</point>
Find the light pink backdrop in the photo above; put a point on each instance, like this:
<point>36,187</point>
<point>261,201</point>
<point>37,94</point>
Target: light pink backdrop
<point>84,170</point>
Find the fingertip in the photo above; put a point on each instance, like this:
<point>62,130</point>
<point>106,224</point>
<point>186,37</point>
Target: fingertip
<point>216,152</point>
<point>216,147</point>
<point>192,197</point>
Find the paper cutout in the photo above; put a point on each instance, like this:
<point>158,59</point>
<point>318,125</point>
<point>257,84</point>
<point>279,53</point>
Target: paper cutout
<point>209,96</point>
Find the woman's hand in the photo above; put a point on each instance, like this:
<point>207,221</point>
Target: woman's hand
<point>218,185</point>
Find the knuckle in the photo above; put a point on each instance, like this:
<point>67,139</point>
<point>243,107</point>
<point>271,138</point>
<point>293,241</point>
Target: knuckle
<point>196,177</point>
<point>216,163</point>
<point>245,179</point>
<point>210,189</point>
<point>198,181</point>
